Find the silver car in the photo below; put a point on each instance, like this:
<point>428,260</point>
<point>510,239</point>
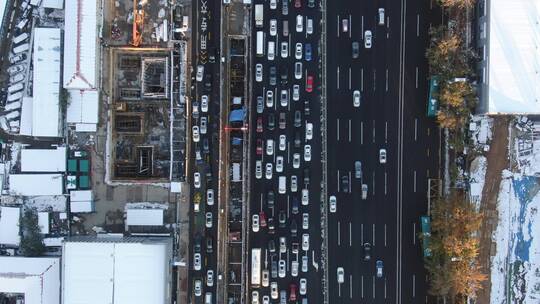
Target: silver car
<point>358,169</point>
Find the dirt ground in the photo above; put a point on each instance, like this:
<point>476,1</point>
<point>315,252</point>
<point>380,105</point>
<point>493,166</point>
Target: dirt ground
<point>497,161</point>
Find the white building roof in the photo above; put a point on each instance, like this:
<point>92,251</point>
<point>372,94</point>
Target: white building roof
<point>43,160</point>
<point>43,222</point>
<point>26,116</point>
<point>36,184</point>
<point>37,278</point>
<point>97,272</point>
<point>513,73</point>
<point>83,107</point>
<point>58,4</point>
<point>80,44</point>
<point>9,226</point>
<point>144,217</point>
<point>81,195</point>
<point>82,201</point>
<point>46,103</point>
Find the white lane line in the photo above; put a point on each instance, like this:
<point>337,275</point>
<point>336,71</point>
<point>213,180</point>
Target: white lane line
<point>337,27</point>
<point>338,179</point>
<point>413,285</point>
<point>337,78</point>
<point>337,128</point>
<point>414,181</point>
<point>350,286</point>
<point>384,235</point>
<point>362,284</point>
<point>350,26</point>
<point>373,235</point>
<point>417,77</point>
<point>417,25</point>
<point>386,132</point>
<point>261,201</point>
<point>349,130</point>
<point>338,233</point>
<point>339,290</point>
<point>374,79</point>
<point>288,152</point>
<point>373,280</point>
<point>362,79</point>
<point>350,78</point>
<point>373,131</point>
<point>385,183</point>
<point>373,186</point>
<point>386,80</point>
<point>414,233</point>
<point>288,205</point>
<point>362,27</point>
<point>415,129</point>
<point>361,132</point>
<point>361,233</point>
<point>350,190</point>
<point>275,99</point>
<point>385,288</point>
<point>350,234</point>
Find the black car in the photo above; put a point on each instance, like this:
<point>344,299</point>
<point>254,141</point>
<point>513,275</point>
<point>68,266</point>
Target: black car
<point>282,218</point>
<point>273,262</point>
<point>297,139</point>
<point>367,251</point>
<point>271,225</point>
<point>271,121</point>
<point>197,246</point>
<point>272,246</point>
<point>297,119</point>
<point>355,49</point>
<point>272,75</point>
<point>295,205</point>
<point>306,108</point>
<point>284,74</point>
<point>206,145</point>
<point>311,3</point>
<point>345,183</point>
<point>306,176</point>
<point>294,228</point>
<point>209,245</point>
<point>270,198</point>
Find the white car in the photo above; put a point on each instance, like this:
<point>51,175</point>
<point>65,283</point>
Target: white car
<point>208,219</point>
<point>197,261</point>
<point>281,266</point>
<point>305,263</point>
<point>269,168</point>
<point>303,286</point>
<point>381,16</point>
<point>265,278</point>
<point>298,70</point>
<point>274,290</point>
<point>210,278</point>
<point>258,169</point>
<point>299,23</point>
<point>356,98</point>
<point>382,156</point>
<point>273,4</point>
<point>269,147</point>
<point>340,275</point>
<point>284,98</point>
<point>298,51</point>
<point>197,180</point>
<point>204,124</point>
<point>345,25</point>
<point>273,27</point>
<point>307,153</point>
<point>305,242</point>
<point>210,197</point>
<point>296,92</point>
<point>258,72</point>
<point>265,299</point>
<point>284,49</point>
<point>282,244</point>
<point>294,183</point>
<point>255,297</point>
<point>333,204</point>
<point>367,39</point>
<point>279,164</point>
<point>255,223</point>
<point>309,131</point>
<point>309,26</point>
<point>204,103</point>
<point>200,73</point>
<point>294,268</point>
<point>196,134</point>
<point>282,142</point>
<point>305,197</point>
<point>296,160</point>
<point>269,99</point>
<point>305,221</point>
<point>197,288</point>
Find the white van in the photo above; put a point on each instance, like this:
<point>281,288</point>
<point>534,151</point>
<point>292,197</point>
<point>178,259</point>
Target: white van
<point>22,24</point>
<point>285,28</point>
<point>381,16</point>
<point>364,191</point>
<point>20,38</point>
<point>271,50</point>
<point>15,88</point>
<point>12,115</point>
<point>282,188</point>
<point>208,298</point>
<point>14,97</point>
<point>200,73</point>
<point>21,48</point>
<point>12,106</point>
<point>309,26</point>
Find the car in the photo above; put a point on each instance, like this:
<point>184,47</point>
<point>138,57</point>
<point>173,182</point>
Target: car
<point>209,244</point>
<point>282,120</point>
<point>367,251</point>
<point>364,191</point>
<point>209,278</point>
<point>356,98</point>
<point>271,122</point>
<point>285,7</point>
<point>255,223</point>
<point>292,292</point>
<point>307,51</point>
<point>282,142</point>
<point>281,267</point>
<point>259,147</point>
<point>382,156</point>
<point>294,263</point>
<point>309,84</point>
<point>296,160</point>
<point>274,266</point>
<point>269,98</point>
<point>200,73</point>
<point>305,221</point>
<point>296,92</point>
<point>367,39</point>
<point>340,275</point>
<point>297,119</point>
<point>284,49</point>
<point>269,147</point>
<point>273,4</point>
<point>274,290</point>
<point>204,103</point>
<point>206,145</point>
<point>298,51</point>
<point>265,278</point>
<point>299,23</point>
<point>309,131</point>
<point>305,197</point>
<point>208,219</point>
<point>345,183</point>
<point>196,134</point>
<point>294,228</point>
<point>284,74</point>
<point>271,246</point>
<point>273,27</point>
<point>294,206</point>
<point>358,169</point>
<point>210,197</point>
<point>345,25</point>
<point>305,265</point>
<point>258,169</point>
<point>282,216</point>
<point>195,110</point>
<point>282,244</point>
<point>204,124</point>
<point>16,78</point>
<point>333,204</point>
<point>283,297</point>
<point>305,242</point>
<point>284,98</point>
<point>311,3</point>
<point>271,50</point>
<point>197,261</point>
<point>197,288</point>
<point>270,197</point>
<point>17,58</point>
<point>279,164</point>
<point>255,294</point>
<point>306,176</point>
<point>259,124</point>
<point>306,108</point>
<point>379,267</point>
<point>271,226</point>
<point>294,183</point>
<point>269,169</point>
<point>307,153</point>
<point>258,72</point>
<point>272,75</point>
<point>355,49</point>
<point>265,299</point>
<point>381,16</point>
<point>16,69</point>
<point>303,286</point>
<point>309,26</point>
<point>298,70</point>
<point>197,180</point>
<point>297,3</point>
<point>260,104</point>
<point>285,28</point>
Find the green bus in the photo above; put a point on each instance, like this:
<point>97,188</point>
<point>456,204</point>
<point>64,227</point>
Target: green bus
<point>425,222</point>
<point>433,103</point>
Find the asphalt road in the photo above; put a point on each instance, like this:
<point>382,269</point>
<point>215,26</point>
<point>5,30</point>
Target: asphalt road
<point>393,85</point>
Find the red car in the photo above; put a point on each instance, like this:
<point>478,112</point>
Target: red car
<point>259,125</point>
<point>297,3</point>
<point>262,219</point>
<point>259,146</point>
<point>309,84</point>
<point>292,296</point>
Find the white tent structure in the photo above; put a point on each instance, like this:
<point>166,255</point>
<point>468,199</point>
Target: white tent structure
<point>37,278</point>
<point>43,160</point>
<point>82,110</point>
<point>36,184</point>
<point>116,270</point>
<point>9,226</point>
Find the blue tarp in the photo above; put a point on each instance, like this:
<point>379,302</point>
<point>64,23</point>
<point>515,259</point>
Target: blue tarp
<point>236,141</point>
<point>237,115</point>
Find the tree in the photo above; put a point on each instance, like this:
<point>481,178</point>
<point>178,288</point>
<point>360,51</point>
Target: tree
<point>32,240</point>
<point>458,4</point>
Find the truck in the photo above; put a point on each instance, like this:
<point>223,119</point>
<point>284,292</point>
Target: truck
<point>236,172</point>
<point>255,267</point>
<point>425,223</point>
<point>259,15</point>
<point>20,38</point>
<point>433,101</point>
<point>260,43</point>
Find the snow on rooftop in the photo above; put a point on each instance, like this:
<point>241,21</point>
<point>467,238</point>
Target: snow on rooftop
<point>145,217</point>
<point>9,226</point>
<point>58,4</point>
<point>46,89</point>
<point>43,222</point>
<point>36,184</point>
<point>80,44</point>
<point>26,116</point>
<point>83,107</point>
<point>43,160</point>
<point>103,272</point>
<point>514,60</point>
<point>37,278</point>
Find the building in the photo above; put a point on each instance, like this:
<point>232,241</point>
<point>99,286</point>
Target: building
<point>38,279</point>
<point>508,34</point>
<point>36,184</point>
<point>43,160</point>
<point>9,226</point>
<point>116,270</point>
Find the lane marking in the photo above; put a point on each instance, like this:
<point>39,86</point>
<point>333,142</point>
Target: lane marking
<point>349,130</point>
<point>374,79</point>
<point>413,285</point>
<point>362,79</point>
<point>415,129</point>
<point>338,233</point>
<point>373,280</point>
<point>350,26</point>
<point>386,80</point>
<point>337,26</point>
<point>417,25</point>
<point>362,233</point>
<point>337,78</point>
<point>414,233</point>
<point>373,235</point>
<point>361,132</point>
<point>417,77</point>
<point>350,286</point>
<point>385,183</point>
<point>350,234</point>
<point>362,26</point>
<point>373,132</point>
<point>373,182</point>
<point>350,78</point>
<point>384,235</point>
<point>414,181</point>
<point>362,284</point>
<point>386,132</point>
<point>337,129</point>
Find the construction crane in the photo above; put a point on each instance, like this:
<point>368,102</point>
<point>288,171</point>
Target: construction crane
<point>138,23</point>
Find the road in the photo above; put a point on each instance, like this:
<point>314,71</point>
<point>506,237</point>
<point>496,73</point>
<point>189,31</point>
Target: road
<point>391,77</point>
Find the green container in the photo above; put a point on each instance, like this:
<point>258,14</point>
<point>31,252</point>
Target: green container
<point>83,165</point>
<point>83,182</point>
<point>72,165</point>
